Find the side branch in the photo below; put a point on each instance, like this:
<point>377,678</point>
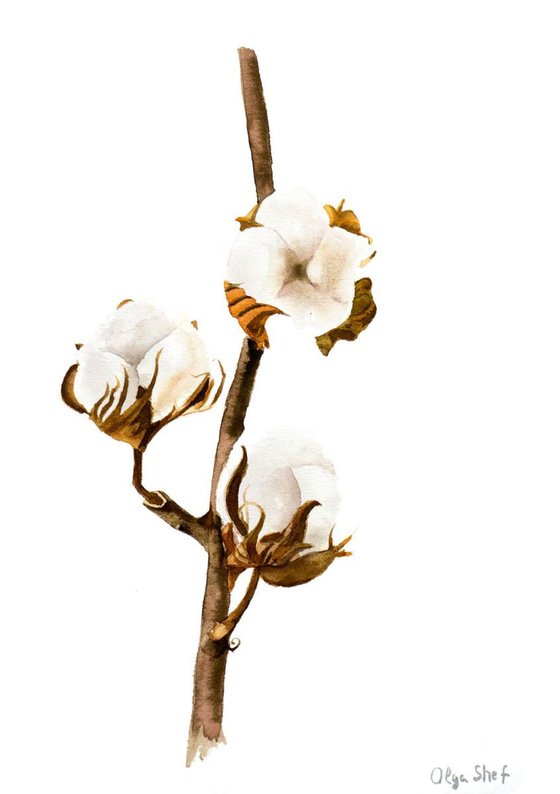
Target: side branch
<point>165,508</point>
<point>221,630</point>
<point>237,402</point>
<point>257,123</point>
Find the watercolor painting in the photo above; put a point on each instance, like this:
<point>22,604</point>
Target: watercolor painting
<point>272,508</point>
<point>279,397</point>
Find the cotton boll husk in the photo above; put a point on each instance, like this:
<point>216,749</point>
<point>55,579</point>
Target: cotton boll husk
<point>132,330</point>
<point>298,218</point>
<point>98,369</point>
<point>182,364</point>
<point>276,491</point>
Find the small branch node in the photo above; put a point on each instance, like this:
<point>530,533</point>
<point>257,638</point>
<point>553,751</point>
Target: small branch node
<point>164,499</point>
<point>219,631</point>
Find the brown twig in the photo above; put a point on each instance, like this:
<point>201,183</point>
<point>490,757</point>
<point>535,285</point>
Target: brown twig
<point>257,123</point>
<point>152,497</point>
<point>168,510</point>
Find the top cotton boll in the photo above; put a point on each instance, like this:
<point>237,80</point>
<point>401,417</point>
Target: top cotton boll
<point>301,258</point>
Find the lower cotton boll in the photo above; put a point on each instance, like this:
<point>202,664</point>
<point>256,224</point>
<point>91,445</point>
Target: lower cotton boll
<point>284,471</point>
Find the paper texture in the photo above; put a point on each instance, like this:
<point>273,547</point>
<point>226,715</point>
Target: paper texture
<point>125,162</point>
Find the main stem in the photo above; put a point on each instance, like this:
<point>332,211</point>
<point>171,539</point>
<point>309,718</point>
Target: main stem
<point>210,667</point>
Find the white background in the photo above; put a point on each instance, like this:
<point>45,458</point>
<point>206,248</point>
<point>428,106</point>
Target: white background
<point>124,162</point>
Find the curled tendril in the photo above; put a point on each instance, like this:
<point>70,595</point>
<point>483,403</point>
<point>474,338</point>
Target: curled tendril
<point>233,643</point>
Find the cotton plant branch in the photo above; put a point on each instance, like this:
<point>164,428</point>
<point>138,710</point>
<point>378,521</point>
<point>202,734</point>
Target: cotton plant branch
<point>216,624</point>
<point>165,508</point>
<point>216,621</point>
<point>145,368</point>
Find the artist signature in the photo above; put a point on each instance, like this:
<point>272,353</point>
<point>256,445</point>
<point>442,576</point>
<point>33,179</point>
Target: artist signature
<point>481,774</point>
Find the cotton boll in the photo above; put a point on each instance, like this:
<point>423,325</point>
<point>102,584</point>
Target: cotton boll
<point>259,262</point>
<point>284,471</point>
<point>276,491</point>
<point>132,330</point>
<point>182,364</point>
<point>312,308</point>
<point>285,447</point>
<point>164,372</point>
<point>99,371</point>
<point>334,267</point>
<point>290,257</point>
<point>319,483</point>
<point>298,218</point>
